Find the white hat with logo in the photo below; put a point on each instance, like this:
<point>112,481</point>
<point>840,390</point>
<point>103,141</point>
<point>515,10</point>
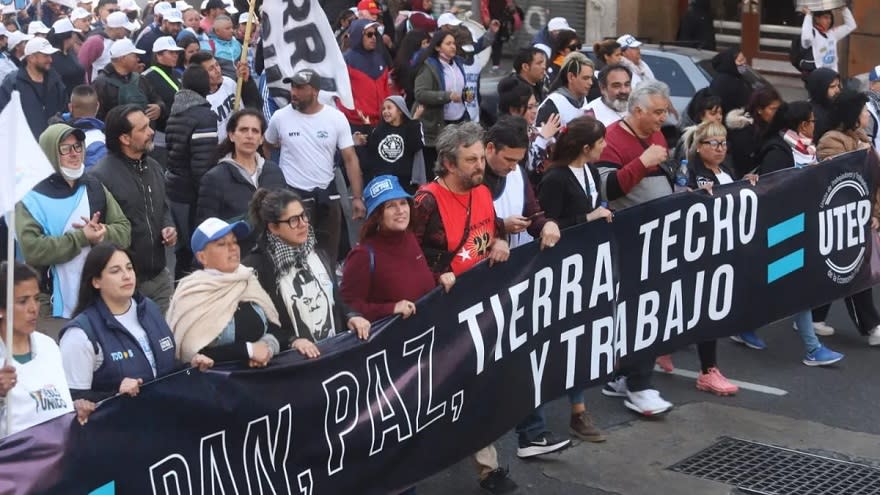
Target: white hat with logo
<point>165,43</point>
<point>39,45</point>
<point>123,47</point>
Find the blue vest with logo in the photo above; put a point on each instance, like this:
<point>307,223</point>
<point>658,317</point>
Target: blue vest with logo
<point>117,344</point>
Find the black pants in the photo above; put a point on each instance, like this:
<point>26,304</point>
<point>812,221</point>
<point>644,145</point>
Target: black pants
<point>430,162</point>
<point>496,50</point>
<point>708,352</point>
<point>326,219</point>
<point>861,310</point>
<point>638,374</point>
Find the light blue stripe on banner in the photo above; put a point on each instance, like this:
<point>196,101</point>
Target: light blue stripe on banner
<point>785,230</point>
<point>108,489</point>
<point>785,265</point>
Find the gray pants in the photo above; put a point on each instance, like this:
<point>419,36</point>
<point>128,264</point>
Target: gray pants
<point>159,288</point>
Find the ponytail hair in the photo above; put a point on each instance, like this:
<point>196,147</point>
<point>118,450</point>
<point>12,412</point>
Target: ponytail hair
<point>580,132</point>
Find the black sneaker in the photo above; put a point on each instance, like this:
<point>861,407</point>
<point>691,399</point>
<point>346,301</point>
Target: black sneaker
<point>544,443</point>
<point>497,482</point>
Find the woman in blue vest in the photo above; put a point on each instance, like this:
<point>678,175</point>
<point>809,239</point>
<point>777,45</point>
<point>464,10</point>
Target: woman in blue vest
<point>118,339</point>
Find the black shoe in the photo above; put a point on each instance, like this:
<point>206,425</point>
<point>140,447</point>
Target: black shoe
<point>544,443</point>
<point>497,482</point>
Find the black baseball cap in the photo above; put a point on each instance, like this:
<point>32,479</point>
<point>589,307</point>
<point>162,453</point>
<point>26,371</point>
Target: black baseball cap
<point>303,78</point>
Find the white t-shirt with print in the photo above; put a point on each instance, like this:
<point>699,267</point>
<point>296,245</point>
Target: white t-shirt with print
<point>222,102</point>
<point>308,144</point>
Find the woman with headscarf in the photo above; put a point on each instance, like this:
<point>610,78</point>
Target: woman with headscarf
<point>59,221</point>
<point>297,277</point>
<point>729,84</point>
<point>222,311</point>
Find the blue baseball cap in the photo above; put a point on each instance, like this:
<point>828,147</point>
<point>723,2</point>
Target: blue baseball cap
<point>874,75</point>
<point>381,189</point>
<point>213,228</point>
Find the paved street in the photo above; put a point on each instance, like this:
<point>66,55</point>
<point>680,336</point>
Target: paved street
<point>828,411</point>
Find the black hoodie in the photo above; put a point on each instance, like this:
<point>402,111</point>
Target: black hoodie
<point>729,84</point>
<point>817,88</point>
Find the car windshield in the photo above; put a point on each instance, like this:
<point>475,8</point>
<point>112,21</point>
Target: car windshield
<point>669,71</point>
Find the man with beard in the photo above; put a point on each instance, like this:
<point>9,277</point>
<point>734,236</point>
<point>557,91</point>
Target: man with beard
<point>615,84</point>
<point>309,133</point>
<point>41,89</point>
<point>455,222</point>
<point>136,181</point>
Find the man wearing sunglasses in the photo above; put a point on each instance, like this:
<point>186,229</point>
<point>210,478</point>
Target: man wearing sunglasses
<point>368,68</point>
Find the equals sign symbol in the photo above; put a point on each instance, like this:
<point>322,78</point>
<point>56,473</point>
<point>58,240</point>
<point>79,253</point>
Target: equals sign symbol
<point>792,261</point>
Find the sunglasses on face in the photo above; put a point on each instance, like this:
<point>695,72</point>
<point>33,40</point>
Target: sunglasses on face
<point>370,34</point>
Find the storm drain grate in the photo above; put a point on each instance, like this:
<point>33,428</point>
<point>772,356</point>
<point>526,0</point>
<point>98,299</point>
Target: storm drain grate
<point>765,469</point>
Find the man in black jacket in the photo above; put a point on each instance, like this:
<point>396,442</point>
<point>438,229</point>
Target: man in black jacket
<point>191,137</point>
<point>41,89</point>
<point>136,181</point>
<point>529,66</point>
<point>119,84</point>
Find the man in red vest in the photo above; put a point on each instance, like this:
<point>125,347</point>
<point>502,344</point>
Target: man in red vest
<point>454,220</point>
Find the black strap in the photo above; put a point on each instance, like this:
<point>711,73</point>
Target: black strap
<point>644,143</point>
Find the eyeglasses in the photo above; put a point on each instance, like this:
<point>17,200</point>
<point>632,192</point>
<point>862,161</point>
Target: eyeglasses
<point>370,34</point>
<point>65,149</point>
<point>715,144</point>
<point>574,47</point>
<point>295,221</point>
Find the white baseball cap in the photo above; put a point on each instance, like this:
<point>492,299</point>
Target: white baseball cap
<point>165,43</point>
<point>243,18</point>
<point>79,13</point>
<point>37,27</point>
<point>120,20</point>
<point>173,15</point>
<point>558,24</point>
<point>129,5</point>
<point>182,6</point>
<point>123,47</point>
<point>544,48</point>
<point>87,2</point>
<point>448,19</point>
<point>162,7</point>
<point>62,26</point>
<point>16,38</point>
<point>628,41</point>
<point>230,7</point>
<point>39,45</point>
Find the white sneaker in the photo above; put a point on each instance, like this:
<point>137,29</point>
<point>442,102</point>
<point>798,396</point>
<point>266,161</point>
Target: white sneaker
<point>615,388</point>
<point>820,328</point>
<point>874,336</point>
<point>823,329</point>
<point>647,402</point>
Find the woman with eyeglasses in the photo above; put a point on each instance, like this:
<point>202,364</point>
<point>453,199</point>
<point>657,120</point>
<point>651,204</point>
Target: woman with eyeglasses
<point>59,221</point>
<point>790,139</point>
<point>299,278</point>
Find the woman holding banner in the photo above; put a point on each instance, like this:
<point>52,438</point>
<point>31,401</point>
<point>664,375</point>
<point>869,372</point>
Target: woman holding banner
<point>119,339</point>
<point>297,277</point>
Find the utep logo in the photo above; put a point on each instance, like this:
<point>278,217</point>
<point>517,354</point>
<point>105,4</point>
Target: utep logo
<point>844,214</point>
<point>119,356</point>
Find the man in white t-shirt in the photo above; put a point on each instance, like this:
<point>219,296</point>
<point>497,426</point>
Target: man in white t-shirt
<point>222,95</point>
<point>309,133</point>
<point>615,82</point>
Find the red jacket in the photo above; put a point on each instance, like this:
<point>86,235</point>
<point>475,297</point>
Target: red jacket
<point>368,96</point>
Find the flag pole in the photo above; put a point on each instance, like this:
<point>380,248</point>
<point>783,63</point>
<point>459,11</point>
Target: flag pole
<point>244,51</point>
<point>10,287</point>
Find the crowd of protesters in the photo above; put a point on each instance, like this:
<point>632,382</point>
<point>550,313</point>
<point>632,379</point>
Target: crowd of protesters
<point>197,234</point>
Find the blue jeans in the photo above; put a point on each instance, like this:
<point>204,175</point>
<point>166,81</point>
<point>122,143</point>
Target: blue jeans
<point>576,396</point>
<point>804,323</point>
<point>533,425</point>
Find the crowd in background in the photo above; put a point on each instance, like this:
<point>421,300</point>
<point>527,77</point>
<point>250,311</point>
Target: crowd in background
<point>177,231</point>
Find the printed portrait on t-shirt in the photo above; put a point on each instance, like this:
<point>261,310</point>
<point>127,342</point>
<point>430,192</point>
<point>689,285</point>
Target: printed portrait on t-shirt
<point>311,306</point>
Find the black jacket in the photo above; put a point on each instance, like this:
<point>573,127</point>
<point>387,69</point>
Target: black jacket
<point>38,101</point>
<point>817,88</point>
<point>108,93</point>
<point>225,193</point>
<point>71,71</point>
<point>728,83</point>
<point>745,136</point>
<point>697,25</point>
<point>562,197</point>
<point>260,261</point>
<point>163,89</point>
<point>699,173</point>
<point>191,138</point>
<point>139,189</point>
<point>774,155</point>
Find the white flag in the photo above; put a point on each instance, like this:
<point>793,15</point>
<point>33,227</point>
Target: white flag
<point>23,159</point>
<point>296,36</point>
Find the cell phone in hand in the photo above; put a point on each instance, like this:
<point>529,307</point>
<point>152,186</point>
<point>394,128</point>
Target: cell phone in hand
<point>535,216</point>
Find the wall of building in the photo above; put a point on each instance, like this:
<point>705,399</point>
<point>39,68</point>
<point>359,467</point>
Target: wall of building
<point>864,44</point>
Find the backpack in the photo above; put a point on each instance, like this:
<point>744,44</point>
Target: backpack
<point>129,92</point>
<point>801,58</point>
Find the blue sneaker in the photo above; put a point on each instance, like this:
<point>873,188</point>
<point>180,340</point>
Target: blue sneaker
<point>750,340</point>
<point>822,356</point>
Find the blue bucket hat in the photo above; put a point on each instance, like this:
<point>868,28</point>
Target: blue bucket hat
<point>213,228</point>
<point>381,189</point>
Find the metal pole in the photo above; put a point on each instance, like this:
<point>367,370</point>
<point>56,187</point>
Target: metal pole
<point>10,287</point>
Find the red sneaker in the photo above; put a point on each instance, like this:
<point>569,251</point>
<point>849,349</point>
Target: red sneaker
<point>665,362</point>
<point>714,382</point>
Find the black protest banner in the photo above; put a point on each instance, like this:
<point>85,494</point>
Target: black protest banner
<point>695,267</point>
<point>422,393</point>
